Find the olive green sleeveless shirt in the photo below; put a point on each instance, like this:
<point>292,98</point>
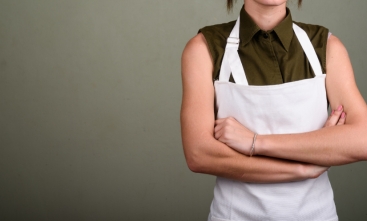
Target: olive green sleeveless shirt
<point>269,57</point>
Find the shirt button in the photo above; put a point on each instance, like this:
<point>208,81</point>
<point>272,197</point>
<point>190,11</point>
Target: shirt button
<point>266,35</point>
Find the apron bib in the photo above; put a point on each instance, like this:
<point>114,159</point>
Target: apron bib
<point>293,107</point>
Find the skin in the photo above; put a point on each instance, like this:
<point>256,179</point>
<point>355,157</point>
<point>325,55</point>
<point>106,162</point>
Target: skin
<point>266,13</point>
<point>221,147</point>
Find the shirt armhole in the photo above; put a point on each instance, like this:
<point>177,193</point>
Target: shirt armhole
<point>210,47</point>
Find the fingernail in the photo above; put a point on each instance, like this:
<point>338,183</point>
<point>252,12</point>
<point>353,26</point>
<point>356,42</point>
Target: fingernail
<point>340,107</point>
<point>343,115</point>
<point>333,112</point>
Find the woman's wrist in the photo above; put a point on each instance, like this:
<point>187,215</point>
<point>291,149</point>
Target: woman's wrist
<point>260,144</point>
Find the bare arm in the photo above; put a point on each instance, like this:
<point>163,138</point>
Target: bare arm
<point>205,154</point>
<point>328,146</point>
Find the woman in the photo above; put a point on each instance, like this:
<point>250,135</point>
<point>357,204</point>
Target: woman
<point>267,136</point>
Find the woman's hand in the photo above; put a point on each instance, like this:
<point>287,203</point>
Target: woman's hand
<point>230,132</point>
<point>337,117</point>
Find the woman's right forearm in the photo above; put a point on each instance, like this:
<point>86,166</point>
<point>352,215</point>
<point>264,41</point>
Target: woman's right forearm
<point>215,158</point>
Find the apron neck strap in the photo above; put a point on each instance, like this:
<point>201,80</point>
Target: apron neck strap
<point>308,48</point>
<point>231,62</point>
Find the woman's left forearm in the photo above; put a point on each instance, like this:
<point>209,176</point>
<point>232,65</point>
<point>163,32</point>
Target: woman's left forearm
<point>335,145</point>
<point>328,146</point>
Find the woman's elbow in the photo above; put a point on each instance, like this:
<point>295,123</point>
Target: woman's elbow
<point>364,150</point>
<point>356,141</point>
<point>194,166</point>
<point>361,154</point>
<point>195,159</point>
<point>193,162</point>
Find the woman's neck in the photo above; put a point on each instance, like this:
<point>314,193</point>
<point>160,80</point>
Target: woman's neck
<point>266,16</point>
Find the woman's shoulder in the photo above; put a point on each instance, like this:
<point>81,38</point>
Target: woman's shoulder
<point>216,38</point>
<point>218,31</point>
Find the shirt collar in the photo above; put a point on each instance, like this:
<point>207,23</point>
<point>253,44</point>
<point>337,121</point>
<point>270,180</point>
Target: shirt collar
<point>248,29</point>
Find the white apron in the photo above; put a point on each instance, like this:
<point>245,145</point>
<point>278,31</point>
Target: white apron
<point>293,107</point>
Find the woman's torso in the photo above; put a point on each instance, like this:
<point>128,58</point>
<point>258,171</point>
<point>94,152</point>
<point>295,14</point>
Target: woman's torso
<point>272,60</point>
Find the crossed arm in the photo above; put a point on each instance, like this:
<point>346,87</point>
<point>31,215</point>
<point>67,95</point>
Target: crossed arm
<point>328,146</point>
<point>207,154</point>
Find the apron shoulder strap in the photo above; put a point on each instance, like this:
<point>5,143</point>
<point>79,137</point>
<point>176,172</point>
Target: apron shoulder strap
<point>231,62</point>
<point>308,48</point>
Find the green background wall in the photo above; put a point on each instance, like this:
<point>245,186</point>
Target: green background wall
<point>90,95</point>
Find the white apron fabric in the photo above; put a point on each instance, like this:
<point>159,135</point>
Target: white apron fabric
<point>293,107</point>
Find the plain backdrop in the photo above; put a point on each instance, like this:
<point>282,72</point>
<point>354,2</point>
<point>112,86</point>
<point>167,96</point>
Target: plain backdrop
<point>90,94</point>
